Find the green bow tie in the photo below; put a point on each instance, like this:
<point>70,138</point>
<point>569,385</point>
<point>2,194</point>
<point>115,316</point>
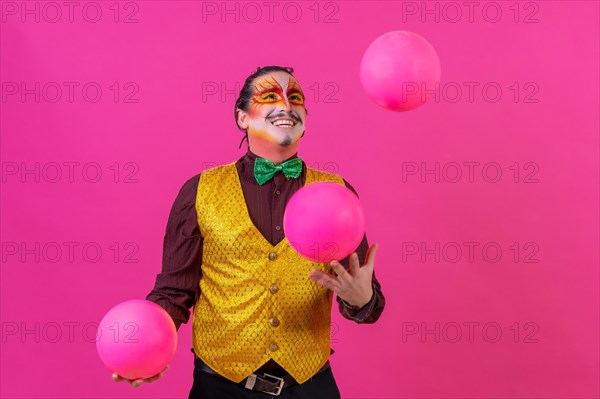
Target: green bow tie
<point>265,169</point>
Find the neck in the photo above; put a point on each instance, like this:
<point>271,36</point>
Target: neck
<point>273,152</point>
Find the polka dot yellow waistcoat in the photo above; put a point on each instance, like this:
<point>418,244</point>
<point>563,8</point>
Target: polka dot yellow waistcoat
<point>256,300</point>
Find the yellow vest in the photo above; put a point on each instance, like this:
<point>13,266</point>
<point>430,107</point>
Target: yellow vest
<point>257,302</point>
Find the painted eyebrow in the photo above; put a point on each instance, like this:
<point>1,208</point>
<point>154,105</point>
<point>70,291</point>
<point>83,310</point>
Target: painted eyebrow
<point>268,84</point>
<point>293,85</point>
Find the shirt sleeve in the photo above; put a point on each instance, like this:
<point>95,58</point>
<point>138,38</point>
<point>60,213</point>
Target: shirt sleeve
<point>371,311</point>
<point>177,285</point>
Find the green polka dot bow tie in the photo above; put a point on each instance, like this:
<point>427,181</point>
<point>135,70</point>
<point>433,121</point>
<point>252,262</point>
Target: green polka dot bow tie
<point>264,170</point>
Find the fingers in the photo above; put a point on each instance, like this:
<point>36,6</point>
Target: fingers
<point>352,269</point>
<point>137,382</point>
<point>154,378</point>
<point>354,263</point>
<point>134,383</point>
<point>324,280</point>
<point>157,376</point>
<point>371,254</point>
<point>340,270</point>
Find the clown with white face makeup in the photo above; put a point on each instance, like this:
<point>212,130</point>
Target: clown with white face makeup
<point>274,117</point>
<point>262,313</point>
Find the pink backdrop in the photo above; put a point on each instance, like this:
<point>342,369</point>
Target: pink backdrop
<point>484,201</point>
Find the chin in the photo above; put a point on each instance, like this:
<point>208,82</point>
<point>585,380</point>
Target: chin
<point>286,139</point>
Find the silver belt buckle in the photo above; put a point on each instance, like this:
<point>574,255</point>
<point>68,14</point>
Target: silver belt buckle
<point>280,383</point>
<point>251,380</point>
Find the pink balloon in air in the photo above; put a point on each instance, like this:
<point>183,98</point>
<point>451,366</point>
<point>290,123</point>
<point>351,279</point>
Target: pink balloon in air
<point>136,339</point>
<point>324,221</point>
<point>399,71</point>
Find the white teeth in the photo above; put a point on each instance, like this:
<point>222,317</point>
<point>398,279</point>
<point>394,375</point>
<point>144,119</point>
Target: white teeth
<point>283,123</point>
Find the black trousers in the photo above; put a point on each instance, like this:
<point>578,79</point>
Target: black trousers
<point>210,386</point>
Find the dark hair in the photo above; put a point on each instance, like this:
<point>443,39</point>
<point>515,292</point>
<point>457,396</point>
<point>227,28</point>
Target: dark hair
<point>243,101</point>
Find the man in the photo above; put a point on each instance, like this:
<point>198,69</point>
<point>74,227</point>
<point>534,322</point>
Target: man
<point>261,312</point>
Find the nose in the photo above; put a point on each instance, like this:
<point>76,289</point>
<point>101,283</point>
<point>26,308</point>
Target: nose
<point>288,105</point>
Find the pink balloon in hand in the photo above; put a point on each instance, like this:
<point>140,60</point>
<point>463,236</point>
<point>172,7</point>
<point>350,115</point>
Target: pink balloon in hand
<point>137,339</point>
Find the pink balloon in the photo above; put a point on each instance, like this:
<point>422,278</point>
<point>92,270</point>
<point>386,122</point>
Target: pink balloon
<point>324,221</point>
<point>399,69</point>
<point>136,339</point>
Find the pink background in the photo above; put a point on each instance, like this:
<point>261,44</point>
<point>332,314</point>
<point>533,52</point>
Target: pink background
<point>171,133</point>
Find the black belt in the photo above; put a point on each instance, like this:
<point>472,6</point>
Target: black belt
<point>266,382</point>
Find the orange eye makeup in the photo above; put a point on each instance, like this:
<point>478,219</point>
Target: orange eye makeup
<point>294,93</point>
<point>269,91</point>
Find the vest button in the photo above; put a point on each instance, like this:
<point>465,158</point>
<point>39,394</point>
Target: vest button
<point>277,228</point>
<point>274,288</point>
<point>274,321</point>
<point>272,256</point>
<point>277,192</point>
<point>273,347</point>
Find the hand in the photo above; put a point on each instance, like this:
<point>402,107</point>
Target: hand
<point>353,285</point>
<point>140,381</point>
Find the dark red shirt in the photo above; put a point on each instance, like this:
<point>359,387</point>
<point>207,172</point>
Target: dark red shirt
<point>177,285</point>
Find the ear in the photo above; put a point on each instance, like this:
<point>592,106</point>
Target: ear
<point>242,118</point>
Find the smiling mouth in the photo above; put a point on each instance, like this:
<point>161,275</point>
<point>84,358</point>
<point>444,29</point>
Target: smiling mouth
<point>284,123</point>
